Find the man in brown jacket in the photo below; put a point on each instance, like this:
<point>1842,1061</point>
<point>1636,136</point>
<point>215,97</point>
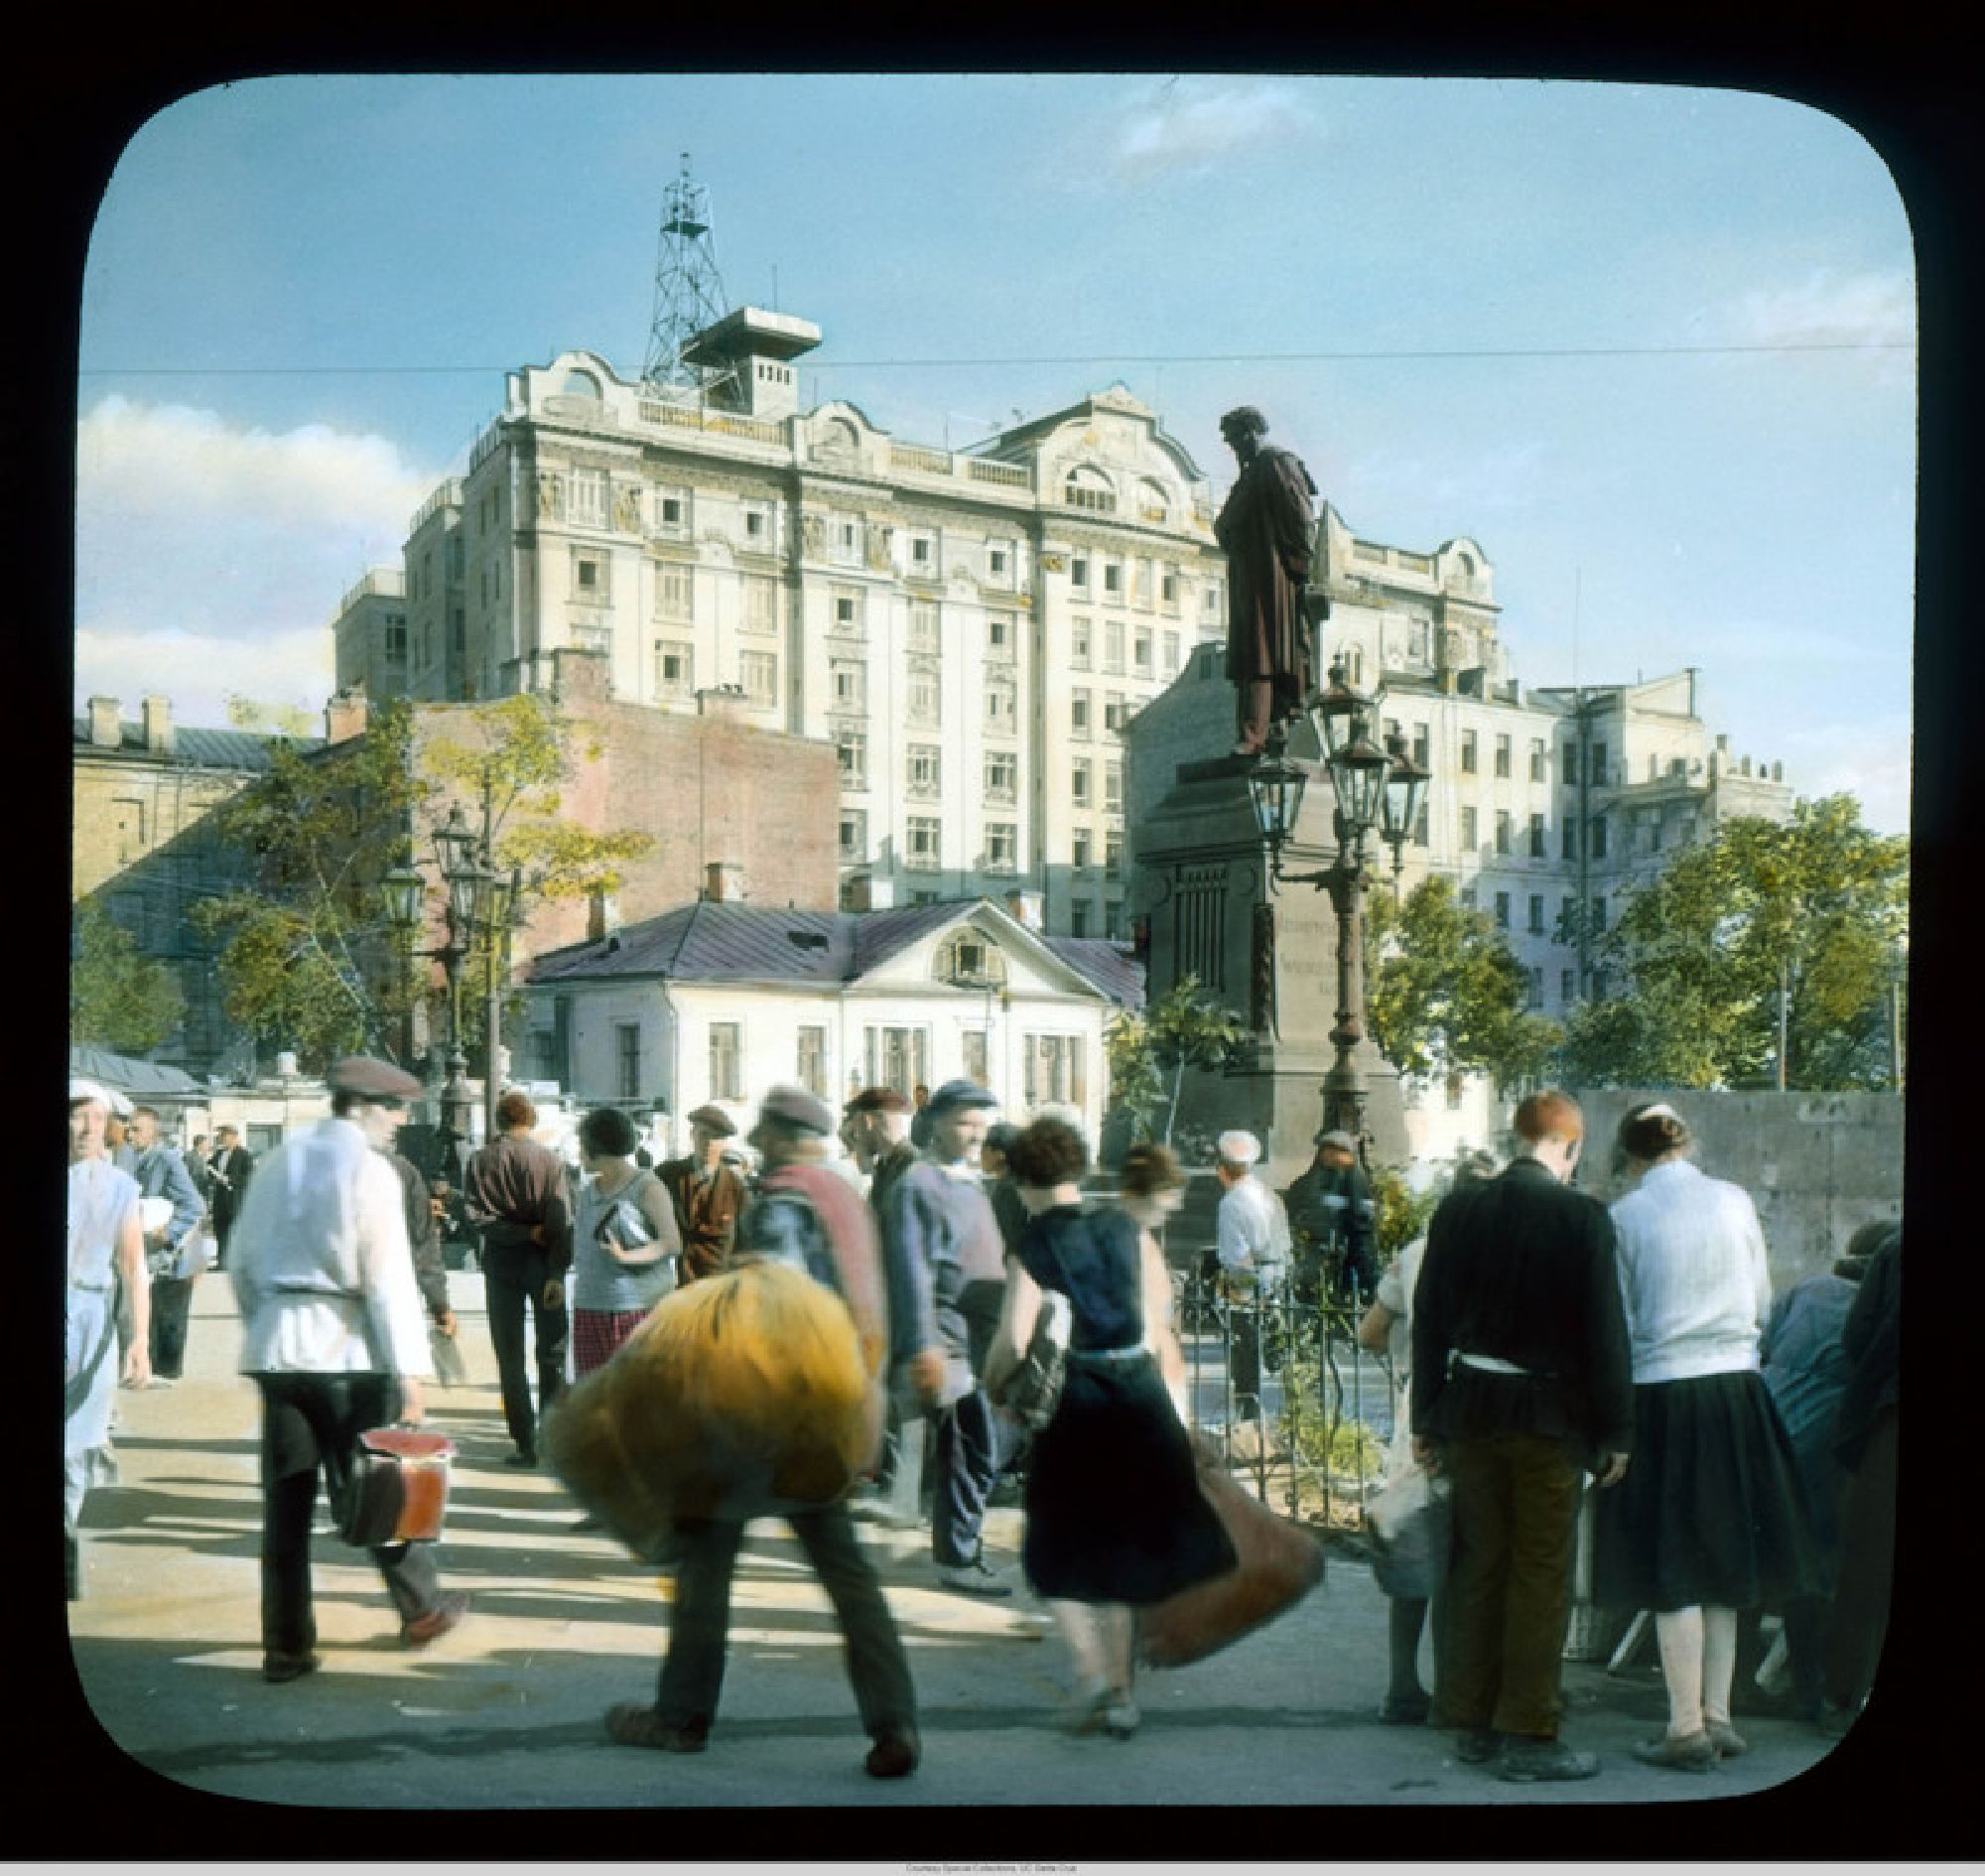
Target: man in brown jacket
<point>708,1194</point>
<point>514,1197</point>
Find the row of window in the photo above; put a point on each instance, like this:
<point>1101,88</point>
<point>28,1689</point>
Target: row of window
<point>1053,1067</point>
<point>1566,930</point>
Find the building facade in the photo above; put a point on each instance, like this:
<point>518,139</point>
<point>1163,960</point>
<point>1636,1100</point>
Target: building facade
<point>145,847</point>
<point>720,1002</point>
<point>370,651</point>
<point>968,629</point>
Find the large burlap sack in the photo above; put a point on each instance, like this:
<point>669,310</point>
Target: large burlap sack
<point>742,1394</point>
<point>1279,1564</point>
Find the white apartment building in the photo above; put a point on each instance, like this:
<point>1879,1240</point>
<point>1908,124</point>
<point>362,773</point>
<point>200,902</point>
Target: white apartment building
<point>371,635</point>
<point>970,628</point>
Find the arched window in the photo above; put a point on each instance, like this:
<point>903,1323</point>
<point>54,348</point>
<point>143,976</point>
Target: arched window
<point>1154,501</point>
<point>1086,486</point>
<point>580,384</point>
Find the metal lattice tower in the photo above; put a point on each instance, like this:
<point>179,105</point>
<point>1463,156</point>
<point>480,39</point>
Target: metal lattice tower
<point>689,295</point>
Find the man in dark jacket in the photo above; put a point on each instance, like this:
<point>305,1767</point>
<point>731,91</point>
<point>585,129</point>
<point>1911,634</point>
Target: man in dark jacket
<point>875,1129</point>
<point>514,1197</point>
<point>708,1192</point>
<point>1521,1378</point>
<point>1334,1221</point>
<point>231,1166</point>
<point>1265,527</point>
<point>162,1173</point>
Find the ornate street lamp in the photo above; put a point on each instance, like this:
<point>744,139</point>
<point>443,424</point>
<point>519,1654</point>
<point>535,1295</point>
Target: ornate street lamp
<point>1404,796</point>
<point>1375,788</point>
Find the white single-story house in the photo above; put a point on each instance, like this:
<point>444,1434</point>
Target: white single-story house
<point>721,1000</point>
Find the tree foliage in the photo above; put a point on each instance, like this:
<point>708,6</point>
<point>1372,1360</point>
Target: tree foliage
<point>309,962</point>
<point>1699,957</point>
<point>1445,995</point>
<point>118,998</point>
<point>1186,1028</point>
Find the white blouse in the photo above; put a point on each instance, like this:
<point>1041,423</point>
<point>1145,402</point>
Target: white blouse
<point>1692,1273</point>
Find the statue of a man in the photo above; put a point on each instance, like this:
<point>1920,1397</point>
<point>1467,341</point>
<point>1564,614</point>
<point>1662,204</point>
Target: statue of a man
<point>1265,529</point>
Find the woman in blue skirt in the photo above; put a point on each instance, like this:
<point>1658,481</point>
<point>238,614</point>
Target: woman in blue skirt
<point>1711,1517</point>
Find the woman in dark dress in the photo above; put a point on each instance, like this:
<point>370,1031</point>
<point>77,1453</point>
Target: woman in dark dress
<point>1115,1518</point>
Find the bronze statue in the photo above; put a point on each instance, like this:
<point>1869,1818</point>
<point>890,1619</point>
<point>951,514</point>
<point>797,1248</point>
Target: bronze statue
<point>1265,528</point>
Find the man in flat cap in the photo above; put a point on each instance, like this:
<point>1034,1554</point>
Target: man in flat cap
<point>946,1264</point>
<point>336,1341</point>
<point>1265,528</point>
<point>515,1197</point>
<point>807,1215</point>
<point>1253,1244</point>
<point>708,1191</point>
<point>1334,1221</point>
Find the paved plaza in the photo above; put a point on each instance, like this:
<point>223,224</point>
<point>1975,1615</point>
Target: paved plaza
<point>503,1716</point>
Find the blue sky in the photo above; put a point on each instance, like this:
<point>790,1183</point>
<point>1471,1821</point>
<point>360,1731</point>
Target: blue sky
<point>1651,346</point>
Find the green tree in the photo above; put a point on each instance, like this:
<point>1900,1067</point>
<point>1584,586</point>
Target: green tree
<point>1149,1052</point>
<point>1445,995</point>
<point>118,999</point>
<point>1698,958</point>
<point>308,959</point>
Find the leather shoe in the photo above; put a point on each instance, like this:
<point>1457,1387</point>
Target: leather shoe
<point>279,1668</point>
<point>1476,1746</point>
<point>631,1725</point>
<point>524,1459</point>
<point>1727,1740</point>
<point>1533,1761</point>
<point>1404,1709</point>
<point>895,1754</point>
<point>446,1613</point>
<point>1689,1752</point>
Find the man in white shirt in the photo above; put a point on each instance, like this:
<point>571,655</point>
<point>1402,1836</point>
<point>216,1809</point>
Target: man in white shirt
<point>336,1339</point>
<point>1252,1245</point>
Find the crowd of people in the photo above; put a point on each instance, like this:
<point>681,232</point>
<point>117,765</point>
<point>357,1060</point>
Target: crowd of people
<point>1556,1358</point>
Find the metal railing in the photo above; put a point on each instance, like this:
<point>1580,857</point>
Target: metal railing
<point>1279,1385</point>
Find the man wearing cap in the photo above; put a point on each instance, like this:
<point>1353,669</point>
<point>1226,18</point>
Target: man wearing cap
<point>1252,1239</point>
<point>708,1192</point>
<point>806,1215</point>
<point>947,1271</point>
<point>335,1341</point>
<point>161,1175</point>
<point>875,1128</point>
<point>515,1197</point>
<point>1334,1221</point>
<point>232,1166</point>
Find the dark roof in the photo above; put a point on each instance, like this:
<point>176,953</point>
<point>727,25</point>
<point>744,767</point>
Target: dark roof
<point>198,748</point>
<point>130,1076</point>
<point>716,942</point>
<point>1111,966</point>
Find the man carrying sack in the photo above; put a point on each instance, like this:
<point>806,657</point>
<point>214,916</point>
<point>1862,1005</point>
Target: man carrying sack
<point>806,1222</point>
<point>335,1342</point>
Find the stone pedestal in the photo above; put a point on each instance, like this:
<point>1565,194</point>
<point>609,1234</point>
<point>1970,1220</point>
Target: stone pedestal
<point>1268,952</point>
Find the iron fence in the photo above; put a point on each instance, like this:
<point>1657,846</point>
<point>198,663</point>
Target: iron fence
<point>1278,1381</point>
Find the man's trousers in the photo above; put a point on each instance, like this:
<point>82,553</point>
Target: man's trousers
<point>514,1279</point>
<point>699,1621</point>
<point>310,1425</point>
<point>1509,1591</point>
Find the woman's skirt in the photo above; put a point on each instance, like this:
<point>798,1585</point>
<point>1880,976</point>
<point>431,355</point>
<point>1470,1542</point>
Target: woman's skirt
<point>598,1333</point>
<point>1712,1510</point>
<point>1114,1509</point>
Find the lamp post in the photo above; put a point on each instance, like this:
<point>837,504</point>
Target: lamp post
<point>466,909</point>
<point>1375,790</point>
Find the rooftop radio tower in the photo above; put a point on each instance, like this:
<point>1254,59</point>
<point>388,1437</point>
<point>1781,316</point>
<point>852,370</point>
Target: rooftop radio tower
<point>689,296</point>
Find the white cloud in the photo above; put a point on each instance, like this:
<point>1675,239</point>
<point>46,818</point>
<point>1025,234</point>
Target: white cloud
<point>1192,122</point>
<point>1876,308</point>
<point>1869,761</point>
<point>210,559</point>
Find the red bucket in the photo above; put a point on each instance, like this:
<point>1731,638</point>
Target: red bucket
<point>422,1462</point>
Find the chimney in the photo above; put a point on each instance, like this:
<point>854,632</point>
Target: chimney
<point>603,916</point>
<point>1026,908</point>
<point>1777,771</point>
<point>725,702</point>
<point>106,730</point>
<point>863,892</point>
<point>158,724</point>
<point>344,717</point>
<point>724,882</point>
